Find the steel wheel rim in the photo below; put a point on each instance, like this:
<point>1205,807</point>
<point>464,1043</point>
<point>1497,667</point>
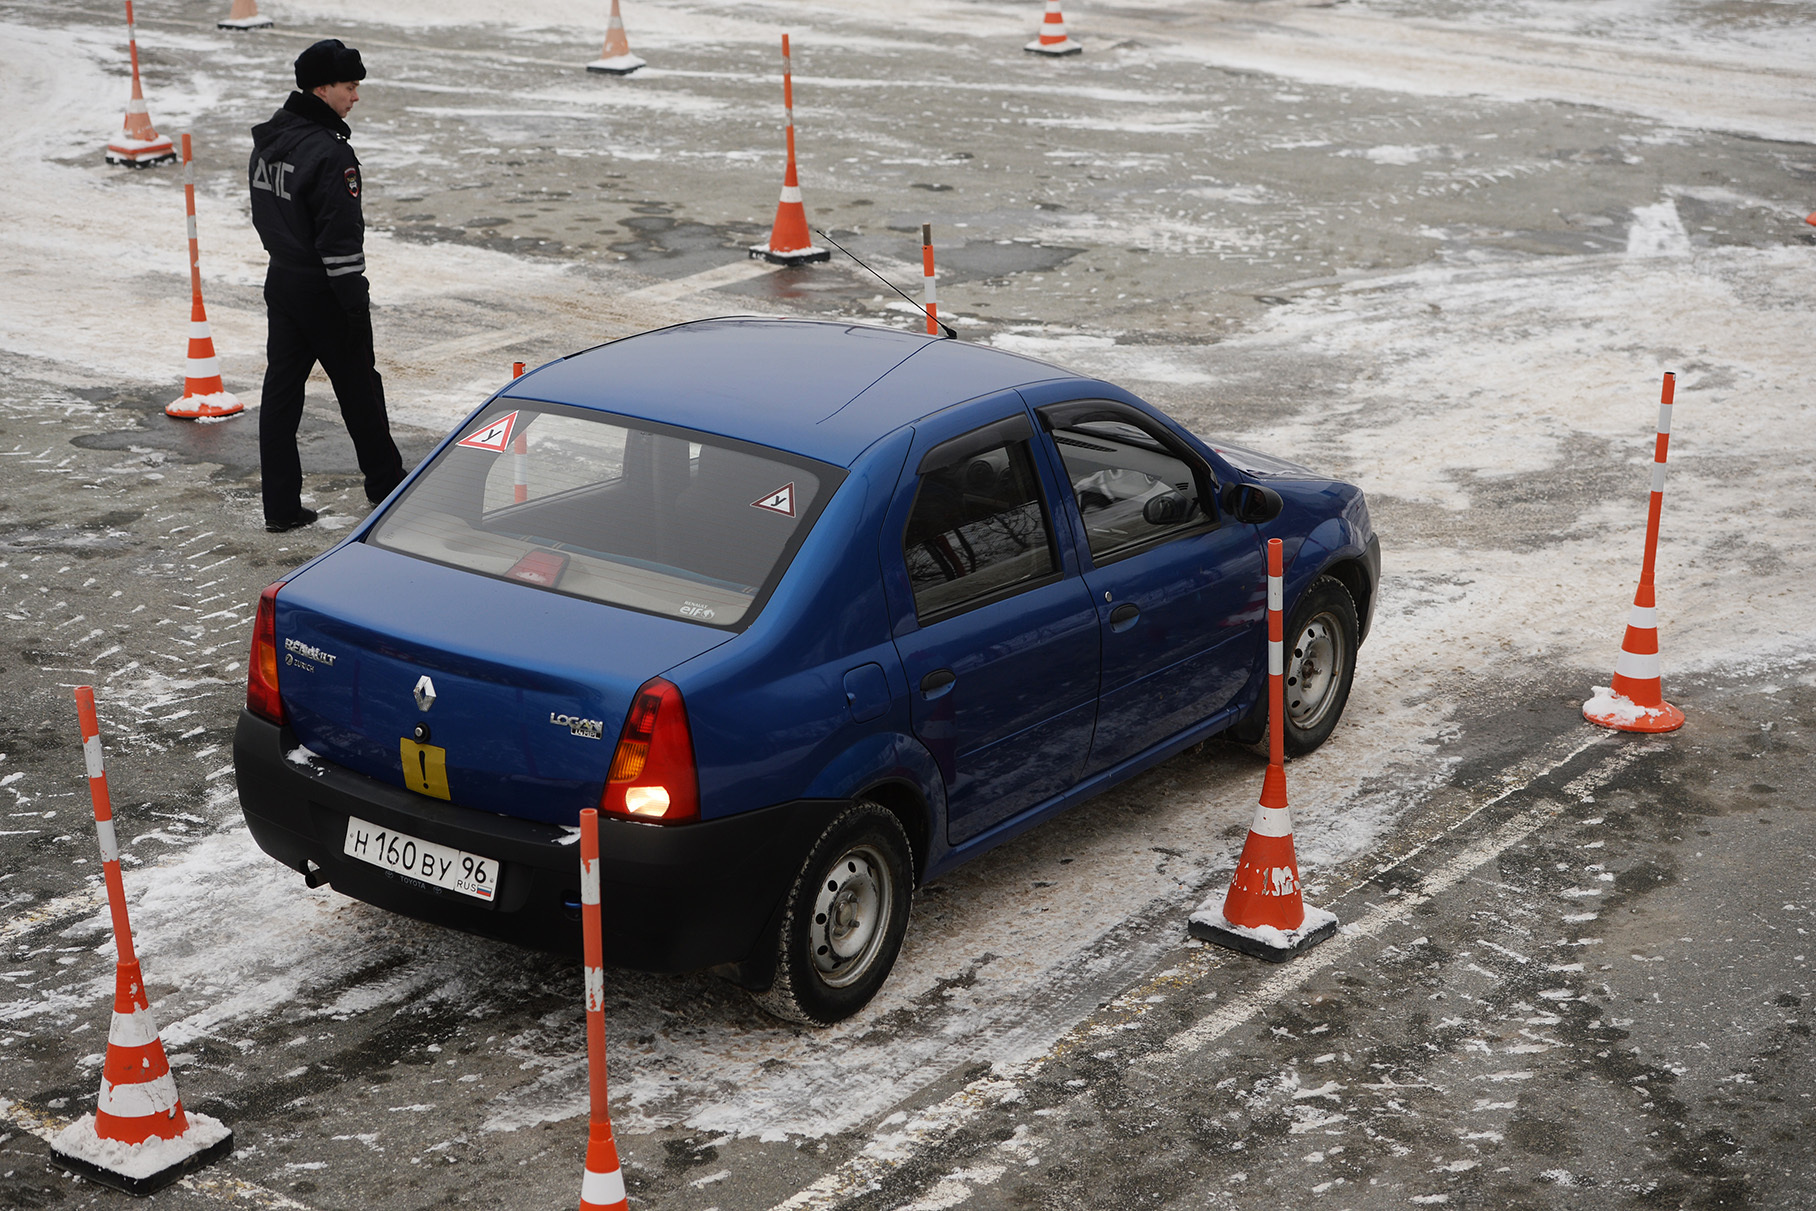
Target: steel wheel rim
<point>851,914</point>
<point>1312,669</point>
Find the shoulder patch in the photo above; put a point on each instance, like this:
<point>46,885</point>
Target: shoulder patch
<point>352,175</point>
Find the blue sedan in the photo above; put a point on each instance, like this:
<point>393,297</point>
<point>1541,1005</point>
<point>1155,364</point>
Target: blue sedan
<point>812,612</point>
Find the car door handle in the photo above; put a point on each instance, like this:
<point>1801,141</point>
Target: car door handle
<point>1123,616</point>
<point>938,682</point>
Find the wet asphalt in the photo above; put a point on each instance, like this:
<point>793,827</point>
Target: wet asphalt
<point>1574,976</point>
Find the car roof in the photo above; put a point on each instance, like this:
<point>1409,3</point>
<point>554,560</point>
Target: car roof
<point>823,388</point>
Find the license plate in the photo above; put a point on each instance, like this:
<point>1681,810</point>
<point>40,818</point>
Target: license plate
<point>436,865</point>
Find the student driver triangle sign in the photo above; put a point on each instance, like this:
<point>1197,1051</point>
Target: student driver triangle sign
<point>493,436</point>
<point>782,500</point>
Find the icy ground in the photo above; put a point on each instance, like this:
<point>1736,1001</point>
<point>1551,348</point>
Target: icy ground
<point>1496,402</point>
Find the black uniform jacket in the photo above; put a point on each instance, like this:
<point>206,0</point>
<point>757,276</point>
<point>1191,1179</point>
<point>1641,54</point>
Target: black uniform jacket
<point>305,197</point>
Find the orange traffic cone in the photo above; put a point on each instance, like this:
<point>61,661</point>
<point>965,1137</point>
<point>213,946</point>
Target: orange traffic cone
<point>602,1188</point>
<point>1263,914</point>
<point>1053,39</point>
<point>244,15</point>
<point>138,144</point>
<point>139,1139</point>
<point>204,395</point>
<point>1636,700</point>
<point>789,241</point>
<point>616,59</point>
<point>1810,219</point>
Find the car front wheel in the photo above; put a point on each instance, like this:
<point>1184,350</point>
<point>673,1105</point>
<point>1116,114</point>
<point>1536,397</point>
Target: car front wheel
<point>844,920</point>
<point>1320,663</point>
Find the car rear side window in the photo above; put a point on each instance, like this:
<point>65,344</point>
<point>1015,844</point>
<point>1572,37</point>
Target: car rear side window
<point>1131,489</point>
<point>978,531</point>
<point>655,519</point>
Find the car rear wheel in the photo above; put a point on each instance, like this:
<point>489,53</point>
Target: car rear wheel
<point>844,919</point>
<point>1320,663</point>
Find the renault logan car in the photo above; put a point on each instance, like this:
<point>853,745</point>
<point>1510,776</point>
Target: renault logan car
<point>812,612</point>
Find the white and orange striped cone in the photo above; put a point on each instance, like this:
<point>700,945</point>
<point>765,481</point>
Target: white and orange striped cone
<point>602,1188</point>
<point>139,1139</point>
<point>204,395</point>
<point>1053,39</point>
<point>789,240</point>
<point>1636,700</point>
<point>1263,913</point>
<point>616,58</point>
<point>139,145</point>
<point>244,15</point>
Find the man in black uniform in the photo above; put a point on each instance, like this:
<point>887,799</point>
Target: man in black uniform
<point>305,205</point>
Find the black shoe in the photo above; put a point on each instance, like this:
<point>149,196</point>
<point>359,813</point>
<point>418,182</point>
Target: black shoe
<point>304,517</point>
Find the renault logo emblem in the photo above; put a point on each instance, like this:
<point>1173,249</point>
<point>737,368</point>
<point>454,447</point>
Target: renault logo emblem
<point>425,693</point>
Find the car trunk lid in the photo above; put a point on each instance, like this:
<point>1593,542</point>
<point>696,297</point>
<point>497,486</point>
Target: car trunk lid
<point>530,687</point>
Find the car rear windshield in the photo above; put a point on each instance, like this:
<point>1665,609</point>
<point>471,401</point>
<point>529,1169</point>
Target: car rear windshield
<point>648,517</point>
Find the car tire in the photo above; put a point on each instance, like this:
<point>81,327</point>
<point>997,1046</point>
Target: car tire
<point>844,919</point>
<point>1320,663</point>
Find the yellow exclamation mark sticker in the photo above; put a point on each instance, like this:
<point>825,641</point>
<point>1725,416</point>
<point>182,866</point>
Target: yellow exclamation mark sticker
<point>425,768</point>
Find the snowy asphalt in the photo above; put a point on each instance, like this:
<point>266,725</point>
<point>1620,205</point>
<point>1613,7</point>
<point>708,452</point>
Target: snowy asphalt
<point>1442,250</point>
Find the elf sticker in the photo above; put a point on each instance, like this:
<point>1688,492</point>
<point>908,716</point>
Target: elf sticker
<point>782,501</point>
<point>496,435</point>
<point>352,175</point>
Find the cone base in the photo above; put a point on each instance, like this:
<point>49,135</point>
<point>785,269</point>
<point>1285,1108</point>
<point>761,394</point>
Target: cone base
<point>259,22</point>
<point>792,256</point>
<point>1067,47</point>
<point>617,65</point>
<point>140,1168</point>
<point>138,154</point>
<point>202,407</point>
<point>1611,710</point>
<point>1275,945</point>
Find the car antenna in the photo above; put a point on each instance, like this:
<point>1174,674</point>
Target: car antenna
<point>944,327</point>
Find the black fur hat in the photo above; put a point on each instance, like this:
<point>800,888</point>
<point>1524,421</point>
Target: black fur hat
<point>329,61</point>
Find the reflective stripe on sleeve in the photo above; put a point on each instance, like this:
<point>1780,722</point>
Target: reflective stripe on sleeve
<point>91,753</point>
<point>1276,594</point>
<point>345,270</point>
<point>1658,477</point>
<point>110,841</point>
<point>156,1096</point>
<point>1272,822</point>
<point>595,990</point>
<point>602,1189</point>
<point>589,880</point>
<point>1638,666</point>
<point>791,193</point>
<point>1643,617</point>
<point>1276,658</point>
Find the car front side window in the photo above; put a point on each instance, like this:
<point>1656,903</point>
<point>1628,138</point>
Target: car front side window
<point>978,531</point>
<point>1130,488</point>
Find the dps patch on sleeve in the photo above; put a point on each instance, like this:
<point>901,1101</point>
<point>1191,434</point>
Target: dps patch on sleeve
<point>352,175</point>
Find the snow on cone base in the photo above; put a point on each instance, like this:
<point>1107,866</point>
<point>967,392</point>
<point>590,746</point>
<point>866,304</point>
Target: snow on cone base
<point>1617,711</point>
<point>1261,941</point>
<point>140,1168</point>
<point>141,153</point>
<point>205,407</point>
<point>618,65</point>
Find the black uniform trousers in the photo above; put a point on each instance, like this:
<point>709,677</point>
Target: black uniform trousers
<point>307,325</point>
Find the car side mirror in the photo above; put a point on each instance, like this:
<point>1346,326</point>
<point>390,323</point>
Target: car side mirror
<point>1167,509</point>
<point>1251,504</point>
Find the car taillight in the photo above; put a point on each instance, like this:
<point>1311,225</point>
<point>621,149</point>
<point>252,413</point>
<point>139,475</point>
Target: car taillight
<point>652,775</point>
<point>261,671</point>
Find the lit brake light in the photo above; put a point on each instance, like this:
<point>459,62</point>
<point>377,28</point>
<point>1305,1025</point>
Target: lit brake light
<point>652,775</point>
<point>261,670</point>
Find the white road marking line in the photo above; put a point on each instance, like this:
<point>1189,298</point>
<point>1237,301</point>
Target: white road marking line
<point>706,279</point>
<point>888,1151</point>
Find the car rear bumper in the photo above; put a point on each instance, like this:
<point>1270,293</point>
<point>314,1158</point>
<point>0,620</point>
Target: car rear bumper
<point>675,898</point>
